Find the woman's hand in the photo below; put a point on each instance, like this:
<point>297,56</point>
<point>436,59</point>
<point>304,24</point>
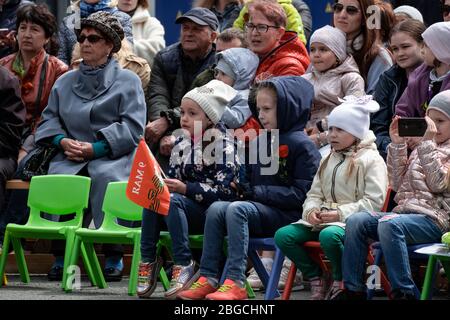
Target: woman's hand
<point>431,129</point>
<point>156,129</point>
<point>88,150</point>
<point>72,149</point>
<point>314,217</point>
<point>175,185</point>
<point>166,145</point>
<point>329,216</point>
<point>393,132</point>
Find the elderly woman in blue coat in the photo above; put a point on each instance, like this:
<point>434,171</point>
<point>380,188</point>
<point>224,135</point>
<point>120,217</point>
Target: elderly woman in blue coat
<point>95,115</point>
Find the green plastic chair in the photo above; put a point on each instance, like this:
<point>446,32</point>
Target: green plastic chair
<point>431,267</point>
<point>195,242</point>
<point>115,205</point>
<point>53,194</point>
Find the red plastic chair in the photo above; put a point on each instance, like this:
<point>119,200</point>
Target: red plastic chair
<point>316,253</point>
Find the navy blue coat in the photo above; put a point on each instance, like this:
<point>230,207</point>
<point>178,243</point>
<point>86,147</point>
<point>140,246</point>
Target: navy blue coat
<point>279,197</point>
<point>389,89</point>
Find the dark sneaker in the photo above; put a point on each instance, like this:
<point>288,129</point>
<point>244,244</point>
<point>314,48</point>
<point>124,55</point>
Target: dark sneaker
<point>399,295</point>
<point>55,273</point>
<point>335,291</point>
<point>182,278</point>
<point>112,275</point>
<point>147,277</point>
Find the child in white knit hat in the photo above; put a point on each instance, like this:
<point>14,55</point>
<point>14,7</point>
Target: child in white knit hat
<point>352,178</point>
<point>196,180</point>
<point>334,74</point>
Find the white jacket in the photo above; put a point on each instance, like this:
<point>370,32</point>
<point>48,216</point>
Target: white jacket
<point>148,34</point>
<point>364,190</point>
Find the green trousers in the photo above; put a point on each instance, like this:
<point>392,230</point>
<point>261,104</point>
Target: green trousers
<point>291,237</point>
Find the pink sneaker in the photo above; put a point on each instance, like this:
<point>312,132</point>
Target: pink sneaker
<point>318,289</point>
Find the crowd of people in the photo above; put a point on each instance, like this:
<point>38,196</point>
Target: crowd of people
<point>324,106</point>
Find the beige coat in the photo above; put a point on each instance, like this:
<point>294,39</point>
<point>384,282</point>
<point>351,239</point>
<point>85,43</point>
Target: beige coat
<point>422,181</point>
<point>365,189</point>
<point>148,35</point>
<point>333,84</point>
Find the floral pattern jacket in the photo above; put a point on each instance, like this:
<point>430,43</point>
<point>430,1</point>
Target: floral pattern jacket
<point>206,169</point>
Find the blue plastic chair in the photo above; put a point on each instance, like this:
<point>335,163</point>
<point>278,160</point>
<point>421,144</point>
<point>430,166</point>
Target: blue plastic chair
<point>270,282</point>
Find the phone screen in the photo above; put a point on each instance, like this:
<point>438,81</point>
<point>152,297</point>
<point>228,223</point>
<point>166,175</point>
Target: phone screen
<point>412,127</point>
<point>4,32</point>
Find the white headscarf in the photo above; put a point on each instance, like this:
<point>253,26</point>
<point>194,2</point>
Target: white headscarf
<point>437,37</point>
<point>411,12</point>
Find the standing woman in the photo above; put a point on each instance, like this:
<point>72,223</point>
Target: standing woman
<point>226,11</point>
<point>351,17</point>
<point>148,32</point>
<point>406,43</point>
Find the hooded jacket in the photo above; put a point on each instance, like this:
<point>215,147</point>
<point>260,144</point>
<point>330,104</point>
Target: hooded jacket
<point>279,197</point>
<point>289,58</point>
<point>415,98</point>
<point>422,181</point>
<point>363,190</point>
<point>335,83</point>
<point>243,63</point>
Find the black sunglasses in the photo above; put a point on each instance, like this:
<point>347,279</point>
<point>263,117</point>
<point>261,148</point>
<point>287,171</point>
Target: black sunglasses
<point>92,38</point>
<point>445,9</point>
<point>351,10</point>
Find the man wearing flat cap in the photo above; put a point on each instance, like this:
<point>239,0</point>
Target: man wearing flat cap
<point>174,68</point>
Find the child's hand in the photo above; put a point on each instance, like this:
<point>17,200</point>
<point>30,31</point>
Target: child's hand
<point>314,217</point>
<point>431,129</point>
<point>393,132</point>
<point>175,185</point>
<point>329,216</point>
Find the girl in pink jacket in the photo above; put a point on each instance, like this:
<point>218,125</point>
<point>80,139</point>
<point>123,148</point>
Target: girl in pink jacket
<point>422,214</point>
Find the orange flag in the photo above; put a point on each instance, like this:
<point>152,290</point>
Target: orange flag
<point>146,186</point>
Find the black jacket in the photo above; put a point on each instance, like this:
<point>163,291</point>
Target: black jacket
<point>172,76</point>
<point>12,114</point>
<point>388,91</point>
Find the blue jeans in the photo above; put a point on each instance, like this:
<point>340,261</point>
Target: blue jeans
<point>394,232</point>
<point>237,219</point>
<point>185,216</point>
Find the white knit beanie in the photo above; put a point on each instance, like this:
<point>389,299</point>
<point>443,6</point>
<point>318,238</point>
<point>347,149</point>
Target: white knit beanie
<point>334,39</point>
<point>353,115</point>
<point>411,12</point>
<point>437,38</point>
<point>213,97</point>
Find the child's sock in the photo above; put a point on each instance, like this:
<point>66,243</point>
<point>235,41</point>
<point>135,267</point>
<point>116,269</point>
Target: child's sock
<point>115,262</point>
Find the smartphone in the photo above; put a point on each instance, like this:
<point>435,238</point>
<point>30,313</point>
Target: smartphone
<point>412,127</point>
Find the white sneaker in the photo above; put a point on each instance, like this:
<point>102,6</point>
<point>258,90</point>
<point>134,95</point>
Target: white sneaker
<point>253,279</point>
<point>298,280</point>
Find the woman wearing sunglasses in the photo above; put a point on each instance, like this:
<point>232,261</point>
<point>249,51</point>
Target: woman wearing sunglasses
<point>95,116</point>
<point>351,17</point>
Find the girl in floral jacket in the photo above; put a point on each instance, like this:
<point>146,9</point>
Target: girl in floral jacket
<point>200,173</point>
<point>422,214</point>
<point>352,178</point>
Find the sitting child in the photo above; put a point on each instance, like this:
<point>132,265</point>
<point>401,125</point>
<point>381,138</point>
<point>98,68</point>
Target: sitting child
<point>195,183</point>
<point>334,74</point>
<point>422,214</point>
<point>269,200</point>
<point>237,68</point>
<point>352,178</point>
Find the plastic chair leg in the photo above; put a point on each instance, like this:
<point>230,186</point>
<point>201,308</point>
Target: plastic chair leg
<point>272,284</point>
<point>427,284</point>
<point>87,264</point>
<point>259,267</point>
<point>134,268</point>
<point>96,269</point>
<point>4,281</point>
<point>289,282</point>
<point>162,273</point>
<point>70,239</point>
<point>4,255</point>
<point>20,259</point>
